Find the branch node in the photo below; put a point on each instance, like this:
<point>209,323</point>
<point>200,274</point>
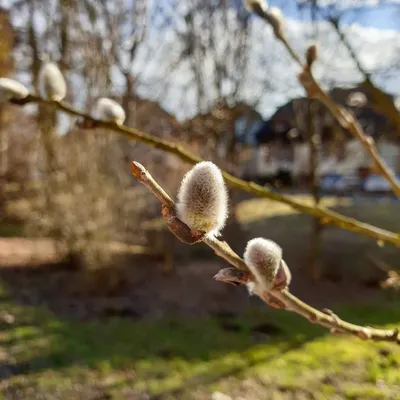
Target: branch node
<point>364,333</point>
<point>272,301</point>
<point>179,228</point>
<point>336,319</point>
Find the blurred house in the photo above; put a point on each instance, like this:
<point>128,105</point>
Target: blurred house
<point>282,151</point>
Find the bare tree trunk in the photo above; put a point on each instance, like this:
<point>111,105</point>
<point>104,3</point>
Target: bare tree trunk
<point>3,160</point>
<point>3,147</point>
<point>313,136</point>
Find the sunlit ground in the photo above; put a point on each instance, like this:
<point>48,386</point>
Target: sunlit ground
<point>259,355</point>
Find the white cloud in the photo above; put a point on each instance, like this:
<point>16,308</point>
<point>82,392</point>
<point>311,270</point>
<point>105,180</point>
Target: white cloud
<point>269,75</point>
<point>269,61</point>
<point>344,4</point>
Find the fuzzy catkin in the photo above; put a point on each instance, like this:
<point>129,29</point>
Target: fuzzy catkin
<point>202,201</point>
<point>263,258</point>
<point>11,89</point>
<point>252,5</point>
<point>275,18</point>
<point>109,110</point>
<point>52,85</point>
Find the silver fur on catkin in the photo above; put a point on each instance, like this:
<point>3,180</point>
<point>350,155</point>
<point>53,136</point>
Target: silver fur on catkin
<point>52,85</point>
<point>109,110</point>
<point>263,257</point>
<point>203,199</point>
<point>11,89</point>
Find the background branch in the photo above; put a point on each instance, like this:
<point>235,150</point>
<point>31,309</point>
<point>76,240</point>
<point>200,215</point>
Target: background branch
<point>345,119</point>
<point>326,216</point>
<point>381,99</point>
<point>288,300</point>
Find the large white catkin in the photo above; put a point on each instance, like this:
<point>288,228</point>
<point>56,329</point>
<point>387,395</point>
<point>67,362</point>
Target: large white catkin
<point>52,85</point>
<point>202,201</point>
<point>109,110</point>
<point>11,89</point>
<point>251,5</point>
<point>263,258</point>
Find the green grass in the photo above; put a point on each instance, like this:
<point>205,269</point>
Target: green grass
<point>52,357</point>
<point>45,356</point>
<point>8,229</point>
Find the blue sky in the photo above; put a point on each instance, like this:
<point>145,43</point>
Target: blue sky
<point>383,14</point>
<point>372,26</point>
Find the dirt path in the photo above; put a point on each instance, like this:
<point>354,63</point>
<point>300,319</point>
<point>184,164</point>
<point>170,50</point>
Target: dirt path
<point>21,252</point>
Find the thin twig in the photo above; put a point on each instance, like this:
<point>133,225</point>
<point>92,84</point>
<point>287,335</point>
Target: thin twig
<point>287,300</point>
<point>345,119</point>
<point>348,122</point>
<point>325,215</point>
<point>383,101</point>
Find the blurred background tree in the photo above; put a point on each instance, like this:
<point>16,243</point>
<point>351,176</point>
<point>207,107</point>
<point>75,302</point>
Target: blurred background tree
<point>204,73</point>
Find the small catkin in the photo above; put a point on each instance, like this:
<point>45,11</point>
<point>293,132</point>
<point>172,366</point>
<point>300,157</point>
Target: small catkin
<point>109,110</point>
<point>11,89</point>
<point>202,202</point>
<point>275,18</point>
<point>255,5</point>
<point>263,257</point>
<point>52,85</point>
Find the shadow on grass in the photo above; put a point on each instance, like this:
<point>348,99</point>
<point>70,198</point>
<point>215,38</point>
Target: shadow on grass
<point>168,356</point>
<point>172,355</point>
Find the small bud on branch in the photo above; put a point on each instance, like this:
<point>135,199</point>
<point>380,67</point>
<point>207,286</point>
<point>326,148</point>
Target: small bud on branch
<point>109,110</point>
<point>275,18</point>
<point>11,89</point>
<point>202,199</point>
<point>311,55</point>
<point>255,5</point>
<point>233,276</point>
<point>52,84</point>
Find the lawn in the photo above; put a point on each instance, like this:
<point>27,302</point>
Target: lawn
<point>255,354</point>
<point>258,355</point>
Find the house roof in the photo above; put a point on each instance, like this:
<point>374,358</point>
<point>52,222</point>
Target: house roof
<point>290,122</point>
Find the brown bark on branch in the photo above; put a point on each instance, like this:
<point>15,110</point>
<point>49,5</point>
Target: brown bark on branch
<point>276,298</point>
<point>381,101</point>
<point>325,215</point>
<point>345,119</point>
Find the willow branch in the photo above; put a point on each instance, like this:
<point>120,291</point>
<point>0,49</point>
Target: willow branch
<point>325,215</point>
<point>378,96</point>
<point>283,298</point>
<point>345,119</point>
